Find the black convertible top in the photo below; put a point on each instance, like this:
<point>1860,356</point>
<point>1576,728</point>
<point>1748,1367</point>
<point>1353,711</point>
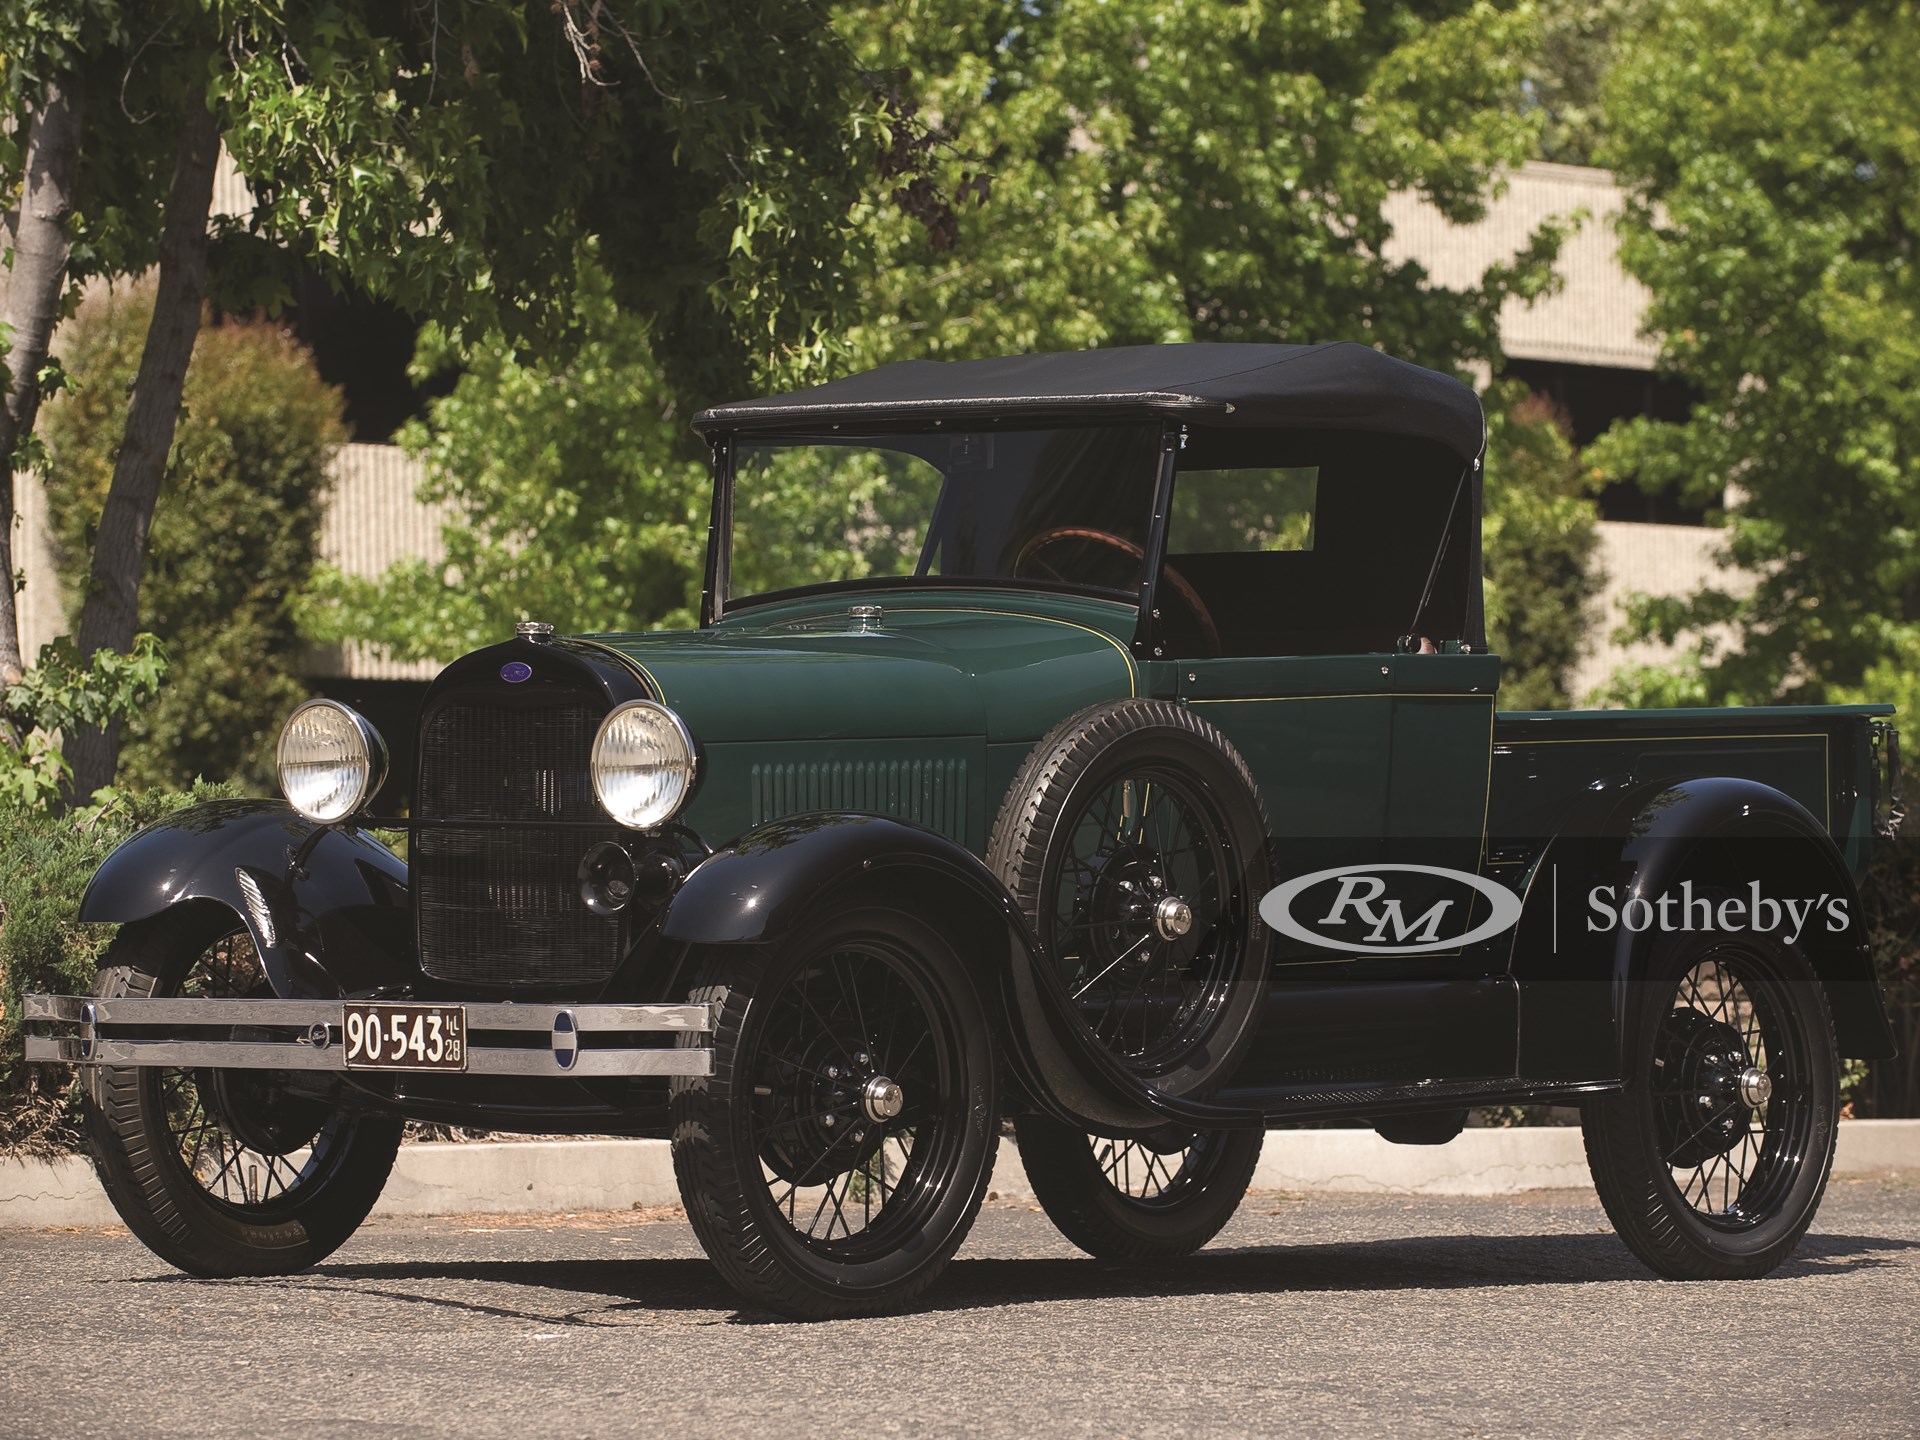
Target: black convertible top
<point>1341,386</point>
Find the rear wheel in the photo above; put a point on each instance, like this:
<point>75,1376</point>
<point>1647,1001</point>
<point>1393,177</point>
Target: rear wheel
<point>224,1172</point>
<point>1712,1161</point>
<point>837,1155</point>
<point>1146,1198</point>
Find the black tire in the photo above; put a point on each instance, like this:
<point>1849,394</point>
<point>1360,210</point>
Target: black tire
<point>1178,1009</point>
<point>221,1173</point>
<point>1700,1182</point>
<point>1137,1199</point>
<point>802,1038</point>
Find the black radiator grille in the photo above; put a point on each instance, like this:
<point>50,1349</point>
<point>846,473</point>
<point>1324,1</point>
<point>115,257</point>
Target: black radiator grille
<point>501,906</point>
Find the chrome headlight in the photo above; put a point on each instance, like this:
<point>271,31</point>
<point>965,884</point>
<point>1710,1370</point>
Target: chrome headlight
<point>642,764</point>
<point>331,761</point>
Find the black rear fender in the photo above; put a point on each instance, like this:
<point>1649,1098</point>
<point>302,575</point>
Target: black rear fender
<point>327,908</point>
<point>1724,835</point>
<point>776,880</point>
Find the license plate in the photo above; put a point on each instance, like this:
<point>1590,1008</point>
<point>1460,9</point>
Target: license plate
<point>406,1037</point>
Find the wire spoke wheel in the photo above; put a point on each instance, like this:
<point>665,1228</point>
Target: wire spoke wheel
<point>1144,927</point>
<point>1135,844</point>
<point>1712,1161</point>
<point>1138,1197</point>
<point>1140,1172</point>
<point>239,1136</point>
<point>1730,1097</point>
<point>835,1158</point>
<point>856,1116</point>
<point>225,1172</point>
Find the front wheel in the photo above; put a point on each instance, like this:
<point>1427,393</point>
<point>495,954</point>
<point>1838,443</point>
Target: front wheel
<point>1712,1161</point>
<point>837,1155</point>
<point>224,1172</point>
<point>1152,1198</point>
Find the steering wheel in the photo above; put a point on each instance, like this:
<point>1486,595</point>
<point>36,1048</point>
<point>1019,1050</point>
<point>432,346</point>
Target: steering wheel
<point>1027,565</point>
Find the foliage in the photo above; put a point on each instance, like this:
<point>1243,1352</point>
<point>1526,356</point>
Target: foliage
<point>567,499</point>
<point>58,693</point>
<point>115,222</point>
<point>1891,894</point>
<point>1539,539</point>
<point>1769,148</point>
<point>46,861</point>
<point>1164,170</point>
<point>1578,41</point>
<point>452,158</point>
<point>233,539</point>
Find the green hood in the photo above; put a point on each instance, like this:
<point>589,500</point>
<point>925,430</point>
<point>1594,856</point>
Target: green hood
<point>1002,667</point>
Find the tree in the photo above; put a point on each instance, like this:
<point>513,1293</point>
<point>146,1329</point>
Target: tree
<point>1579,40</point>
<point>1538,540</point>
<point>234,535</point>
<point>453,159</point>
<point>1128,172</point>
<point>1770,149</point>
<point>571,499</point>
<point>1197,169</point>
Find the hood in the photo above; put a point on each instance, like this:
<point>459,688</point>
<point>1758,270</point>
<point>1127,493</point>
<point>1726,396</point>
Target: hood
<point>1005,667</point>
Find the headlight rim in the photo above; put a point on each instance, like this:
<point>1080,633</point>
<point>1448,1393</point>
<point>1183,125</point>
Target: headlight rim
<point>371,740</point>
<point>687,743</point>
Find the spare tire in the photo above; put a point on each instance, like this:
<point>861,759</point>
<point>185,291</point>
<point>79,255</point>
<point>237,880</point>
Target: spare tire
<point>1135,843</point>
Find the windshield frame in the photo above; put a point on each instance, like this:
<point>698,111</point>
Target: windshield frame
<point>716,597</point>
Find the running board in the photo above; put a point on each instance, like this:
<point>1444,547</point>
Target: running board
<point>1316,1102</point>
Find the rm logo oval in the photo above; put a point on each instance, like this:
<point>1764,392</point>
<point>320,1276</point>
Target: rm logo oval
<point>1362,909</point>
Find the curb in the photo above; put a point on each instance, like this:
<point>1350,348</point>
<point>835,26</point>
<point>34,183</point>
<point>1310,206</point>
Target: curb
<point>561,1176</point>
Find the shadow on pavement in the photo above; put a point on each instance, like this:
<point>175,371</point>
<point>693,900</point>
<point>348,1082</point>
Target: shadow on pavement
<point>1420,1263</point>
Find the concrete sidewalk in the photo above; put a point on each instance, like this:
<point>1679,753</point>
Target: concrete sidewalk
<point>557,1176</point>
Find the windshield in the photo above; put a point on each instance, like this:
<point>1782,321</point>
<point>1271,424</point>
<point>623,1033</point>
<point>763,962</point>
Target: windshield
<point>1066,507</point>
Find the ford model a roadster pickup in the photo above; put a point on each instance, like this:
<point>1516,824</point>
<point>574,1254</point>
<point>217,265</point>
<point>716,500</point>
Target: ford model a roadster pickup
<point>1102,742</point>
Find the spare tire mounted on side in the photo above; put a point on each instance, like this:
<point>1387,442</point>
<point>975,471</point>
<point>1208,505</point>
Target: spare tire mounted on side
<point>1135,843</point>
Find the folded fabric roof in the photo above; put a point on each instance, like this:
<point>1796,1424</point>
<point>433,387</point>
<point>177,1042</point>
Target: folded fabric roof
<point>1340,386</point>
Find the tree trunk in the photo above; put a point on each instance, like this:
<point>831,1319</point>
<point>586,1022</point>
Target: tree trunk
<point>40,246</point>
<point>111,614</point>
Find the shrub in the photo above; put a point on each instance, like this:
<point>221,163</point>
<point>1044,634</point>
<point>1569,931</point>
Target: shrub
<point>234,535</point>
<point>46,861</point>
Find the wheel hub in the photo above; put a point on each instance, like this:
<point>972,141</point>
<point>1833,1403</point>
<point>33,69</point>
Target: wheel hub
<point>1130,900</point>
<point>824,1111</point>
<point>881,1099</point>
<point>1756,1087</point>
<point>1717,1086</point>
<point>1172,917</point>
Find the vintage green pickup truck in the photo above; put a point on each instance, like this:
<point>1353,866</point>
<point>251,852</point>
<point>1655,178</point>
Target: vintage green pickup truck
<point>1101,743</point>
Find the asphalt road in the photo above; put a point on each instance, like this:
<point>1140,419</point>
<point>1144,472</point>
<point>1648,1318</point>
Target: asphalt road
<point>1320,1315</point>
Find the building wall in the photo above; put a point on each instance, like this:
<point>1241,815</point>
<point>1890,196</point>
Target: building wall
<point>374,521</point>
<point>1593,318</point>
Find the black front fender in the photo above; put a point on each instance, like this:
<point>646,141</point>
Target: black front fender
<point>774,880</point>
<point>327,908</point>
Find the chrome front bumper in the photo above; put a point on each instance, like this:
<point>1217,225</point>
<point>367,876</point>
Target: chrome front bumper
<point>316,1028</point>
